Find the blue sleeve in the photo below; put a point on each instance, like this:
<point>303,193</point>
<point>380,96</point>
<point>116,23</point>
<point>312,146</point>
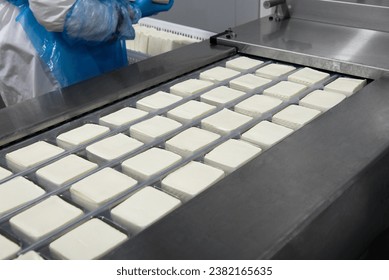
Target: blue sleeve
<point>149,8</point>
<point>96,21</point>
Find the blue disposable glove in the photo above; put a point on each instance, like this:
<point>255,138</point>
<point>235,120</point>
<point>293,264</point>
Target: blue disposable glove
<point>93,22</point>
<point>149,8</point>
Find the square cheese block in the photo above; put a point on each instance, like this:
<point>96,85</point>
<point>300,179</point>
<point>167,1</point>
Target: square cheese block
<point>266,134</point>
<point>112,148</point>
<point>157,101</point>
<point>154,128</point>
<point>221,96</point>
<point>16,192</point>
<point>155,42</point>
<point>81,135</point>
<point>89,241</point>
<point>248,82</point>
<point>225,121</point>
<point>100,187</point>
<point>122,117</point>
<point>218,74</point>
<point>186,183</point>
<point>4,173</point>
<point>142,41</point>
<point>44,218</point>
<point>144,208</point>
<point>190,111</point>
<point>63,171</point>
<point>7,248</point>
<point>295,116</point>
<point>190,87</point>
<point>31,156</point>
<point>346,86</point>
<point>274,71</point>
<point>243,63</point>
<point>190,141</point>
<point>322,100</point>
<point>285,90</point>
<point>257,105</point>
<point>149,163</point>
<point>308,76</point>
<point>30,256</point>
<point>231,155</point>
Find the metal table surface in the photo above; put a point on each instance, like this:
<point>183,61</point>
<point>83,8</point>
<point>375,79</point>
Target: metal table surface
<point>343,49</point>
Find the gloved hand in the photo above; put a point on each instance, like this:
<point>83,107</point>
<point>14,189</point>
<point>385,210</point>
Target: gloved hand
<point>149,8</point>
<point>93,22</point>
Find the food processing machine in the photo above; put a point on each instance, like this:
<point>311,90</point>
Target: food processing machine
<point>322,193</point>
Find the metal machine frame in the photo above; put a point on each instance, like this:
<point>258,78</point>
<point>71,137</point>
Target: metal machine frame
<point>320,194</point>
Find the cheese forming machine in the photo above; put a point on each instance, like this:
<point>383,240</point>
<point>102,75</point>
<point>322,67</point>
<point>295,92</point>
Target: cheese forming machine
<point>321,193</point>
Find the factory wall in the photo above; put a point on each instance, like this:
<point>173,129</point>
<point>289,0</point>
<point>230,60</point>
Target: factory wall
<point>214,15</point>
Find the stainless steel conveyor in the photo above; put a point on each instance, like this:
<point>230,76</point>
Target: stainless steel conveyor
<point>322,193</point>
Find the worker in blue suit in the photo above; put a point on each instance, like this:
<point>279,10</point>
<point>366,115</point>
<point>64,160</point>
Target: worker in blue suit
<point>50,44</point>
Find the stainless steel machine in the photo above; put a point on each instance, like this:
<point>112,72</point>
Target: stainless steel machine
<point>322,193</point>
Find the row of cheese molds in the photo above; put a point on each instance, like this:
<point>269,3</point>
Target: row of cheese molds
<point>211,123</point>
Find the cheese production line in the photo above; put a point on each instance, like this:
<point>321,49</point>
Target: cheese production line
<point>321,193</point>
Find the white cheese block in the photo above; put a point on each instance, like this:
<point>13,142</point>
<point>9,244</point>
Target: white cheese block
<point>44,218</point>
<point>143,42</point>
<point>149,163</point>
<point>7,248</point>
<point>274,71</point>
<point>151,129</point>
<point>4,173</point>
<point>29,256</point>
<point>89,241</point>
<point>155,43</point>
<point>144,208</point>
<point>122,117</point>
<point>308,76</point>
<point>231,155</point>
<point>167,43</point>
<point>190,141</point>
<point>346,86</point>
<point>130,44</point>
<point>257,105</point>
<point>248,83</point>
<point>285,90</point>
<point>266,134</point>
<point>100,187</point>
<point>225,121</point>
<point>322,100</point>
<point>186,182</point>
<point>157,101</point>
<point>190,87</point>
<point>295,116</point>
<point>112,148</point>
<point>61,172</point>
<point>135,46</point>
<point>16,192</point>
<point>190,111</point>
<point>31,156</point>
<point>221,96</point>
<point>218,74</point>
<point>81,135</point>
<point>243,63</point>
